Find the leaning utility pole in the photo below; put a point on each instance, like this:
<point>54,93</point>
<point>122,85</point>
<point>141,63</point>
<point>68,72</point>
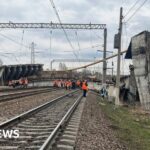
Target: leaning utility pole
<point>117,101</point>
<point>32,53</point>
<point>104,57</point>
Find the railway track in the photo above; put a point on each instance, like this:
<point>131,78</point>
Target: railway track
<point>64,135</point>
<point>22,89</point>
<point>16,95</point>
<point>37,125</point>
<point>9,91</point>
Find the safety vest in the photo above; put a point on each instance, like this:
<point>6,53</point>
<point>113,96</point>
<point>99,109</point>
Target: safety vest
<point>26,81</point>
<point>78,83</point>
<point>66,83</point>
<point>70,83</point>
<point>84,86</point>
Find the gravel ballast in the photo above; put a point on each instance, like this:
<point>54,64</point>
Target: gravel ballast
<point>94,131</point>
<point>15,107</point>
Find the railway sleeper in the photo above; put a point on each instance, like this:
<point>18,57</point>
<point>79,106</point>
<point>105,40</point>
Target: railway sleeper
<point>66,139</point>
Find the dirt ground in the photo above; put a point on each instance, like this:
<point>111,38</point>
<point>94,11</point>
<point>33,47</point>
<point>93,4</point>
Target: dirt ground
<point>94,131</point>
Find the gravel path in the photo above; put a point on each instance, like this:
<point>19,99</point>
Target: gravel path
<point>94,132</point>
<point>12,108</point>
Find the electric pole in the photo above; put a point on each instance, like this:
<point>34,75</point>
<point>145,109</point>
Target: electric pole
<point>51,62</point>
<point>104,57</point>
<point>117,101</point>
<point>32,53</point>
<point>50,50</point>
<point>112,69</point>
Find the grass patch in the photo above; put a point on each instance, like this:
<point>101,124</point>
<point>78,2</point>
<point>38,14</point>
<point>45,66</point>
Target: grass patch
<point>132,128</point>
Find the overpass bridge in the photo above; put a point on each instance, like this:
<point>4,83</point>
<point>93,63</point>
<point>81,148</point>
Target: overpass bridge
<point>15,72</point>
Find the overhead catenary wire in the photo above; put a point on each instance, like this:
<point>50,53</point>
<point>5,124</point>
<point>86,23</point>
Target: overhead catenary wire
<point>125,23</point>
<point>76,33</point>
<point>18,43</point>
<point>93,46</point>
<point>77,40</point>
<point>130,9</point>
<point>21,43</point>
<point>99,37</point>
<point>14,56</point>
<point>136,11</point>
<point>126,34</point>
<point>22,38</point>
<point>66,35</point>
<point>26,46</point>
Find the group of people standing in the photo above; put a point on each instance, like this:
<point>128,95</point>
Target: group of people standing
<point>72,84</point>
<point>67,84</point>
<point>22,82</point>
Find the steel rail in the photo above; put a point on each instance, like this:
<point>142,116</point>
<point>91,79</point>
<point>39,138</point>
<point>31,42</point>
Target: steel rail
<point>11,93</point>
<point>13,96</point>
<point>27,114</point>
<point>22,89</point>
<point>50,139</point>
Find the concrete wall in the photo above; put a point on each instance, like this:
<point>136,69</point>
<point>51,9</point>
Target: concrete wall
<point>141,62</point>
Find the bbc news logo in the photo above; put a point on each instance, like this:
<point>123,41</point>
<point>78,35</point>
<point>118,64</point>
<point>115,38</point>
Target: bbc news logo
<point>9,134</point>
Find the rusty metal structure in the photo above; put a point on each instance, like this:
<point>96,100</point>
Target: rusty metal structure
<point>63,26</point>
<point>15,72</point>
<point>52,25</point>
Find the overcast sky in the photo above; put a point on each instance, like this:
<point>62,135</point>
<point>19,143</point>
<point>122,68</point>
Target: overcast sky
<point>70,11</point>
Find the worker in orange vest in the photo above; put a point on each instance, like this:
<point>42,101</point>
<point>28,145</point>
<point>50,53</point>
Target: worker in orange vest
<point>78,83</point>
<point>69,84</point>
<point>84,88</point>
